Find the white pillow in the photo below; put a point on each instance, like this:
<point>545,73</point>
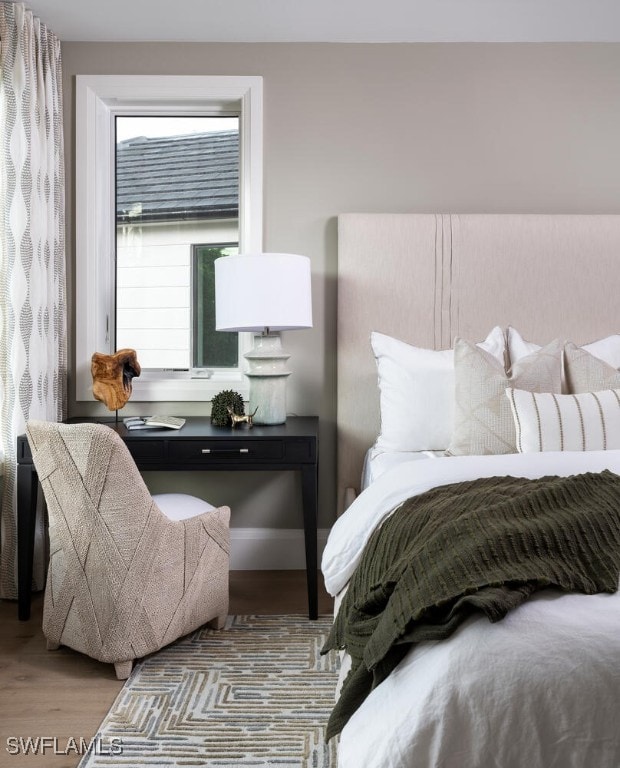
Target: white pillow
<point>548,422</point>
<point>607,349</point>
<point>417,392</point>
<point>518,347</point>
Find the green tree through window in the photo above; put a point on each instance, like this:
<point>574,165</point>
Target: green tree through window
<point>211,348</point>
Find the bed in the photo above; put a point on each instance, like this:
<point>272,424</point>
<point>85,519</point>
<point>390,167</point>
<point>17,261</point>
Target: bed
<point>531,300</point>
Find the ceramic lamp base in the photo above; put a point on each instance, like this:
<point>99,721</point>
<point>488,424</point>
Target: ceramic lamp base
<point>267,374</point>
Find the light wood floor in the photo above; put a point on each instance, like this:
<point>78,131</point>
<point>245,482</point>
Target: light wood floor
<point>64,694</point>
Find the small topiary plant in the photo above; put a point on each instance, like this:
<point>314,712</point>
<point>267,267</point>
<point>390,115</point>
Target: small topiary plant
<point>221,402</point>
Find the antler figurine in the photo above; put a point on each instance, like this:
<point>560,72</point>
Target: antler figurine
<point>237,419</point>
<point>112,375</point>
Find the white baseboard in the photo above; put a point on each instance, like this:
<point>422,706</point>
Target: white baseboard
<point>271,549</point>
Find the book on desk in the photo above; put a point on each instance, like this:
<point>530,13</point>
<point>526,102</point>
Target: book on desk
<point>153,422</point>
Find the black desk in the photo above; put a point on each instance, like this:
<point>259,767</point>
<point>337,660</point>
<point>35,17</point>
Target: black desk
<point>201,446</point>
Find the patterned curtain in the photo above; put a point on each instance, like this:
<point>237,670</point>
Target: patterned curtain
<point>32,254</point>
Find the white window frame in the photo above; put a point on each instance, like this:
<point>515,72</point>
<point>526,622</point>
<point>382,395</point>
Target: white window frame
<point>99,99</point>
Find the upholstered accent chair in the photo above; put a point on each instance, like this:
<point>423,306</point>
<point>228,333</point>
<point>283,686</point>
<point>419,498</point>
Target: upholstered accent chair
<point>124,578</point>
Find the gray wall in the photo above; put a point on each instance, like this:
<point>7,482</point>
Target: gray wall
<point>409,127</point>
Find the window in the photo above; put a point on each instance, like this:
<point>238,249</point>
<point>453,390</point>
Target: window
<point>147,235</point>
<point>177,185</point>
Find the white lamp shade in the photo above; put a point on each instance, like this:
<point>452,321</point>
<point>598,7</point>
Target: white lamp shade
<point>258,291</point>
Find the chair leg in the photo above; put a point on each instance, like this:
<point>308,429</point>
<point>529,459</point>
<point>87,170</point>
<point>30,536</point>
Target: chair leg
<point>123,669</point>
<point>51,646</point>
<point>218,622</point>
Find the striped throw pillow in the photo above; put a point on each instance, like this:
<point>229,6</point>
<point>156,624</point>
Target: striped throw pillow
<point>548,422</point>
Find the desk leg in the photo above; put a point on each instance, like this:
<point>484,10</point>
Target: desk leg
<point>309,493</point>
<point>26,516</point>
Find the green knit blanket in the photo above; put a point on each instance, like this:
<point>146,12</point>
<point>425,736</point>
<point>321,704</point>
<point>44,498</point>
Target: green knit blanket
<point>483,545</point>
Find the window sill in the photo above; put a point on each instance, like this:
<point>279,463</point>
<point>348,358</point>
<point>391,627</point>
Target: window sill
<point>186,389</point>
<point>180,388</point>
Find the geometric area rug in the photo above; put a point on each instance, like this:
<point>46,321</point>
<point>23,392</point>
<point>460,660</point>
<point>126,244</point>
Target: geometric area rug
<point>257,693</point>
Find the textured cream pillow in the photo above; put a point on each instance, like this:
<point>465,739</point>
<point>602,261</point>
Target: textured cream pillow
<point>549,422</point>
<point>586,372</point>
<point>483,421</point>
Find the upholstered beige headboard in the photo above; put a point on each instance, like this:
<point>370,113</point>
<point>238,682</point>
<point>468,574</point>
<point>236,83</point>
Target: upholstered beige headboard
<point>427,278</point>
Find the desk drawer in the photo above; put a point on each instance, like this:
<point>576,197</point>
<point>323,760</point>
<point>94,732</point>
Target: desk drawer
<point>225,450</point>
<point>146,450</point>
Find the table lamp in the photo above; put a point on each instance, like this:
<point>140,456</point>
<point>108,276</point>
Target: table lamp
<point>263,294</point>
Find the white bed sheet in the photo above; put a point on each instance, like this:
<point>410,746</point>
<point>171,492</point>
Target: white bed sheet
<point>378,462</point>
<point>539,689</point>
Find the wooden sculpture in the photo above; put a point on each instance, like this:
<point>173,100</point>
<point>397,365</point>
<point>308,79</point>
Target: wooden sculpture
<point>112,375</point>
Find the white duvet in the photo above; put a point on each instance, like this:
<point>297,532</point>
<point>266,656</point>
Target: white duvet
<point>539,689</point>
